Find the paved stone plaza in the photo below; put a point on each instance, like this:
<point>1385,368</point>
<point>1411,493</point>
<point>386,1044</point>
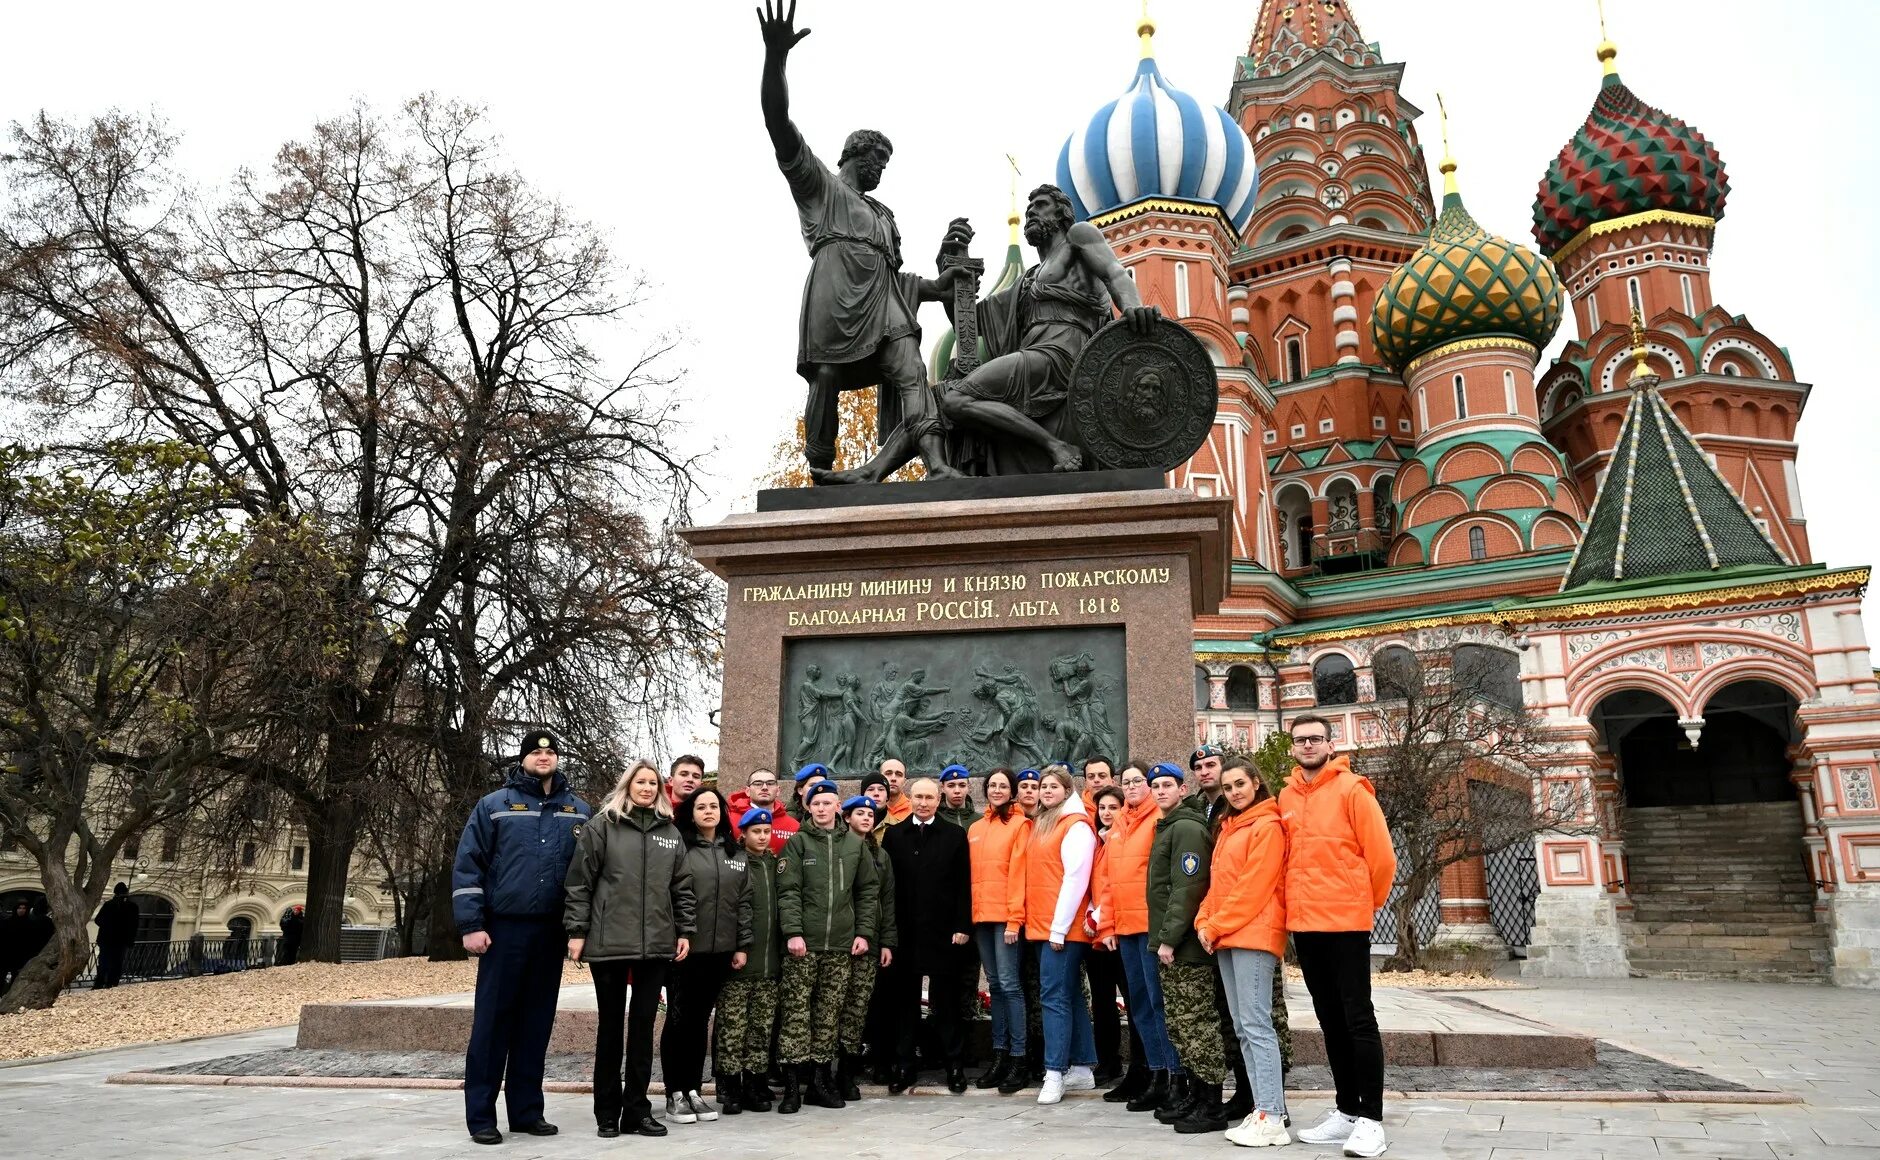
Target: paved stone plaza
<point>1814,1042</point>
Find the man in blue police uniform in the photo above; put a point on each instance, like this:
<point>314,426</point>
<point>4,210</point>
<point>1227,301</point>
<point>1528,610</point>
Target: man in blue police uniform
<point>506,898</point>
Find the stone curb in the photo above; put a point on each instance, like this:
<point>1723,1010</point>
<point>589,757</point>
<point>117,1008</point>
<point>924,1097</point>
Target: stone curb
<point>576,1087</point>
<point>33,1060</point>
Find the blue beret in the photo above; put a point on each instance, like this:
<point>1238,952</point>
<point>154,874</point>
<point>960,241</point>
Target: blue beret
<point>955,773</point>
<point>823,786</point>
<point>813,769</point>
<point>1028,775</point>
<point>1166,769</point>
<point>755,816</point>
<point>860,801</point>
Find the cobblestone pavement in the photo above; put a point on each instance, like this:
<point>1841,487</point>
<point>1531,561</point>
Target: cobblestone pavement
<point>1817,1042</point>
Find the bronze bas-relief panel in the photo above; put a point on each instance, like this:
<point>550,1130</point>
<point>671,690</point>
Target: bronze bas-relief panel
<point>1022,697</point>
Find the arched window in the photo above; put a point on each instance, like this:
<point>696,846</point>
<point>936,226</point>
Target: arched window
<point>154,916</point>
<point>1462,398</point>
<point>1730,370</point>
<point>1397,673</point>
<point>1507,386</point>
<point>1592,313</point>
<point>1293,231</point>
<point>1478,543</point>
<point>1382,510</point>
<point>1295,360</point>
<point>1201,687</point>
<point>1181,289</point>
<point>1488,673</point>
<point>1634,295</point>
<point>1690,301</point>
<point>1341,503</point>
<point>1243,689</point>
<point>1334,681</point>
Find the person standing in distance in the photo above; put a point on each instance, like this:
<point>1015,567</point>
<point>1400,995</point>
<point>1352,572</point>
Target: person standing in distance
<point>506,899</point>
<point>933,901</point>
<point>117,930</point>
<point>1339,868</point>
<point>760,793</point>
<point>631,913</point>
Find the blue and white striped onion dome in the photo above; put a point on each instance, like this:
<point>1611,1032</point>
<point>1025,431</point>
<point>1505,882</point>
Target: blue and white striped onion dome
<point>1157,141</point>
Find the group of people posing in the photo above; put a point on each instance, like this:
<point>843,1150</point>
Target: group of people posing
<point>809,928</point>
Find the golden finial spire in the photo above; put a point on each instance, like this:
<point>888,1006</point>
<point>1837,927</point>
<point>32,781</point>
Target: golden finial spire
<point>1608,51</point>
<point>1145,30</point>
<point>1640,370</point>
<point>1448,166</point>
<point>1011,217</point>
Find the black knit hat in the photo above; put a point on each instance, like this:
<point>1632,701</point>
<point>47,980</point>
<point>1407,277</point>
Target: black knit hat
<point>869,779</point>
<point>539,739</point>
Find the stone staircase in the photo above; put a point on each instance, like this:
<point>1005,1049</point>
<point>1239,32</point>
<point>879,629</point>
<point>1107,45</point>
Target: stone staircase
<point>1721,892</point>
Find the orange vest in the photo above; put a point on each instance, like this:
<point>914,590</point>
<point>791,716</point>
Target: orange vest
<point>1044,878</point>
<point>1339,860</point>
<point>1246,902</point>
<point>1126,867</point>
<point>1098,921</point>
<point>998,850</point>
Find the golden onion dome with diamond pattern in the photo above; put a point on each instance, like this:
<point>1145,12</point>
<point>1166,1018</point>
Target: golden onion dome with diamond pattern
<point>1465,283</point>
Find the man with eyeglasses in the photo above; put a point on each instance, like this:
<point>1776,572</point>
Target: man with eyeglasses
<point>1339,868</point>
<point>760,792</point>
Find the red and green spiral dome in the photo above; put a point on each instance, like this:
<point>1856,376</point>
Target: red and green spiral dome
<point>1628,158</point>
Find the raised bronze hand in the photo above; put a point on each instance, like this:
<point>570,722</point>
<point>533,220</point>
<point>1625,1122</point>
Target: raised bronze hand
<point>958,237</point>
<point>1141,319</point>
<point>779,27</point>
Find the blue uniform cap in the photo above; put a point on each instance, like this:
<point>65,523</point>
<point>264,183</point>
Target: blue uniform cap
<point>755,816</point>
<point>955,773</point>
<point>1166,769</point>
<point>813,769</point>
<point>823,786</point>
<point>860,801</point>
<point>1029,775</point>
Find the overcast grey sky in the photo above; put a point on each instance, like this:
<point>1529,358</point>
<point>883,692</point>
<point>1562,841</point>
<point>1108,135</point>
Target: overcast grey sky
<point>643,117</point>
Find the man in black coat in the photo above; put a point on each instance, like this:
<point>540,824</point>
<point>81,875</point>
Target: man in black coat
<point>933,890</point>
<point>117,930</point>
<point>293,926</point>
<point>13,937</point>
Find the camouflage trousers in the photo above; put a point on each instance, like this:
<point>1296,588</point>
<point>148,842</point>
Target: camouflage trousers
<point>811,1000</point>
<point>860,988</point>
<point>1194,1027</point>
<point>1282,1022</point>
<point>747,1011</point>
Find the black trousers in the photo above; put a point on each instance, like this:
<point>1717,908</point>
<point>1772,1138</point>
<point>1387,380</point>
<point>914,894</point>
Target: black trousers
<point>647,976</point>
<point>1105,972</point>
<point>692,990</point>
<point>1337,967</point>
<point>518,985</point>
<point>110,965</point>
<point>945,973</point>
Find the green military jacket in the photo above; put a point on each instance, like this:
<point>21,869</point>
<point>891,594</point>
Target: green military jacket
<point>887,927</point>
<point>828,891</point>
<point>1178,881</point>
<point>757,918</point>
<point>964,817</point>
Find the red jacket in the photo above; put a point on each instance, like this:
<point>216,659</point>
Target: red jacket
<point>782,825</point>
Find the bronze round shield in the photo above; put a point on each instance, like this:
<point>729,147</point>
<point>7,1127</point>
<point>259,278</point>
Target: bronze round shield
<point>1142,400</point>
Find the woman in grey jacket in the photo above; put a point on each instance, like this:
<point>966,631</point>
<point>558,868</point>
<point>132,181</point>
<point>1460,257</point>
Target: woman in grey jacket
<point>630,912</point>
<point>719,883</point>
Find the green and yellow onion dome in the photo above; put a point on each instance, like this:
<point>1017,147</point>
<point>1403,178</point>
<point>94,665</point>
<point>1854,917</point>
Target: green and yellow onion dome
<point>1464,283</point>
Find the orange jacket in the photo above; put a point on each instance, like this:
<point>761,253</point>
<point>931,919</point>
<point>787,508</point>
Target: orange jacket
<point>1339,860</point>
<point>899,811</point>
<point>1099,923</point>
<point>1044,879</point>
<point>998,852</point>
<point>1126,867</point>
<point>1246,902</point>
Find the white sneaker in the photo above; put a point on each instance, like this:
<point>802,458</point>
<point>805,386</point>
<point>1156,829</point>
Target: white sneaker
<point>700,1108</point>
<point>678,1111</point>
<point>1259,1131</point>
<point>1053,1089</point>
<point>1366,1139</point>
<point>1333,1129</point>
<point>1079,1079</point>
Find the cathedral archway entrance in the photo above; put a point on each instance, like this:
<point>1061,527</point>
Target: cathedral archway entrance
<point>1715,864</point>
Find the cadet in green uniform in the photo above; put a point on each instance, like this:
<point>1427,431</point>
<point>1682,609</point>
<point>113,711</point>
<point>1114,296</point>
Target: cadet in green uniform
<point>827,894</point>
<point>859,814</point>
<point>1178,881</point>
<point>747,1011</point>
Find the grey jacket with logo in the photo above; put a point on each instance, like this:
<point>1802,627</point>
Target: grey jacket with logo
<point>720,883</point>
<point>629,888</point>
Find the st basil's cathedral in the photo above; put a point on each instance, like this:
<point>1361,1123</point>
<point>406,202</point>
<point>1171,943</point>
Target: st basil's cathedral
<point>1614,540</point>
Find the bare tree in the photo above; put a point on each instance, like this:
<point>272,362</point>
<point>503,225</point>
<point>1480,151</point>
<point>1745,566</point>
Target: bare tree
<point>386,336</point>
<point>1458,766</point>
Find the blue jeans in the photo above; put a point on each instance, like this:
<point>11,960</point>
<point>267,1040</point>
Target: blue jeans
<point>1145,1002</point>
<point>1247,977</point>
<point>1068,1038</point>
<point>1008,995</point>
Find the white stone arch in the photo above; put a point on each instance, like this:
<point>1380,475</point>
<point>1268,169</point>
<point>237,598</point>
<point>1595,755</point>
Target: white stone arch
<point>1671,355</point>
<point>1325,485</point>
<point>1552,405</point>
<point>1733,342</point>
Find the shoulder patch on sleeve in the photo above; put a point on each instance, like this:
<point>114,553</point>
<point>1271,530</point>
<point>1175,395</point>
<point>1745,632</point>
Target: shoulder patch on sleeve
<point>1191,864</point>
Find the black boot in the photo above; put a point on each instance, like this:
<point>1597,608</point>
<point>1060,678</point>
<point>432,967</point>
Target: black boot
<point>1019,1077</point>
<point>1181,1095</point>
<point>757,1095</point>
<point>1241,1106</point>
<point>847,1068</point>
<point>995,1075</point>
<point>792,1101</point>
<point>1206,1113</point>
<point>731,1095</point>
<point>1135,1082</point>
<point>820,1091</point>
<point>1153,1096</point>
